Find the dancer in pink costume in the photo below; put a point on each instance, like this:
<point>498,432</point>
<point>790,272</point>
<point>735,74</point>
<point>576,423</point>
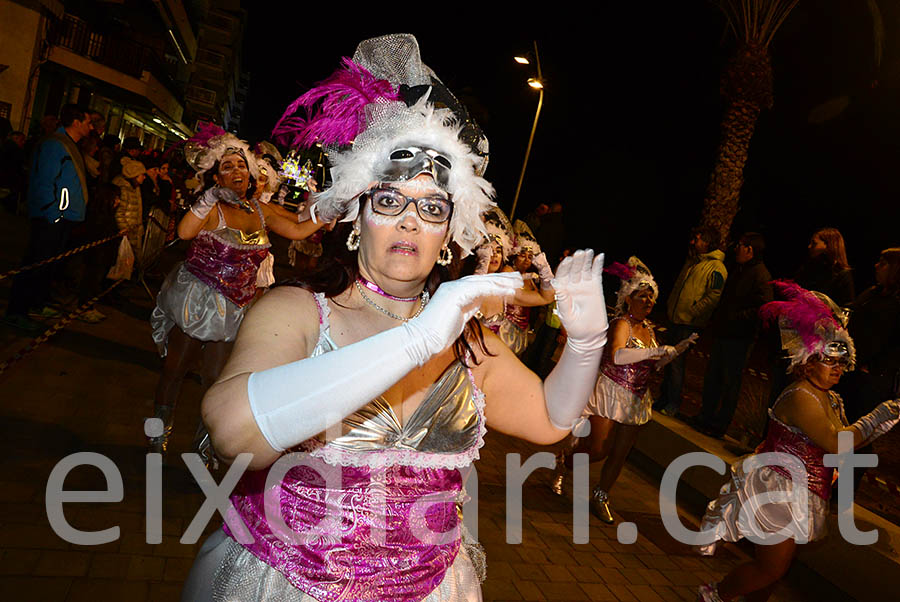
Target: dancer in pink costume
<point>804,424</point>
<point>508,318</point>
<point>621,401</point>
<point>381,374</point>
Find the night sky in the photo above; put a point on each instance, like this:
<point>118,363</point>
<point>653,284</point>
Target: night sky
<point>630,124</point>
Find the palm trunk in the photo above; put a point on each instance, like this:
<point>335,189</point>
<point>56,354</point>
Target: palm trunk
<point>723,193</point>
<point>747,88</point>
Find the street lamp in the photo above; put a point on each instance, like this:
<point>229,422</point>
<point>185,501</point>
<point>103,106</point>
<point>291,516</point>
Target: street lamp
<point>537,84</point>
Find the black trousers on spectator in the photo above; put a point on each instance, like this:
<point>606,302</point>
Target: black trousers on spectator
<point>722,383</point>
<point>31,289</point>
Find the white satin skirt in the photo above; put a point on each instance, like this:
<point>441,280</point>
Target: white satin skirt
<point>742,510</point>
<point>225,571</point>
<point>613,401</point>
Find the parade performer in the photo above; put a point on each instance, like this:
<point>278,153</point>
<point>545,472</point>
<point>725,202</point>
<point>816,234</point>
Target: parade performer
<point>621,401</point>
<point>203,300</point>
<point>512,327</point>
<point>495,312</point>
<point>267,160</point>
<point>381,375</point>
<point>762,501</point>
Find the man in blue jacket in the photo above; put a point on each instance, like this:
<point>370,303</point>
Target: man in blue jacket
<point>57,197</point>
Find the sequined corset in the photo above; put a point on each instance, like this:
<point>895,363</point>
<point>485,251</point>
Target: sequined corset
<point>634,377</point>
<point>518,315</point>
<point>786,439</point>
<point>227,260</point>
<point>390,490</point>
<point>493,323</point>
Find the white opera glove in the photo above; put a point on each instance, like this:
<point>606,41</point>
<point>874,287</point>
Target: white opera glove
<point>878,421</point>
<point>484,254</point>
<point>210,197</point>
<point>543,267</point>
<point>582,311</point>
<point>296,401</point>
<point>628,355</point>
<point>683,345</point>
<point>680,348</point>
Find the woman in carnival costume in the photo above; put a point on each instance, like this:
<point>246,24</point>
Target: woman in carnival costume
<point>503,317</point>
<point>762,501</point>
<point>621,401</point>
<point>203,300</point>
<point>268,160</point>
<point>381,375</point>
<point>513,326</point>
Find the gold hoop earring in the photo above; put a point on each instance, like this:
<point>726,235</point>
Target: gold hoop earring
<point>445,257</point>
<point>353,240</point>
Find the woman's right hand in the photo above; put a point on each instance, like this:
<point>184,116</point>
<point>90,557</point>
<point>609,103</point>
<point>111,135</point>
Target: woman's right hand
<point>452,306</point>
<point>210,197</point>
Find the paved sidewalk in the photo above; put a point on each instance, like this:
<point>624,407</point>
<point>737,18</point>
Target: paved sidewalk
<point>89,388</point>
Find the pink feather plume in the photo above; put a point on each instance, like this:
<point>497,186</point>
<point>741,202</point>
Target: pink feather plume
<point>625,272</point>
<point>207,133</point>
<point>341,112</point>
<point>803,311</point>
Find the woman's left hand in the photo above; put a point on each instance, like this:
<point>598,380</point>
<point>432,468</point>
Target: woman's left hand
<point>579,295</point>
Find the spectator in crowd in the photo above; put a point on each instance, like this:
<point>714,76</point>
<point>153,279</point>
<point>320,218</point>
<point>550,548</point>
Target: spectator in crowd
<point>57,198</point>
<point>150,193</point>
<point>100,223</point>
<point>99,123</point>
<point>690,306</point>
<point>90,146</point>
<point>734,325</point>
<point>129,212</point>
<point>534,218</point>
<point>12,169</point>
<point>551,233</point>
<point>131,147</point>
<point>108,157</point>
<point>875,327</point>
<point>827,270</point>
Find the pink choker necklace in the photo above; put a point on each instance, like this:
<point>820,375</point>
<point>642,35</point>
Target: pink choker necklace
<point>377,289</point>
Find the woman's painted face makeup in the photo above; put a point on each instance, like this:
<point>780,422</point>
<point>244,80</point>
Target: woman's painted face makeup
<point>376,219</point>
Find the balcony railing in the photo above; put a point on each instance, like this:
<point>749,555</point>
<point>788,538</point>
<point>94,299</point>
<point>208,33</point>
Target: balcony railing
<point>120,53</point>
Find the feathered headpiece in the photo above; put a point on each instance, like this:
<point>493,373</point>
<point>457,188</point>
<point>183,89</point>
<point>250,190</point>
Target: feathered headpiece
<point>269,158</point>
<point>384,116</point>
<point>811,324</point>
<point>635,276</point>
<point>210,144</point>
<point>523,238</point>
<point>498,230</point>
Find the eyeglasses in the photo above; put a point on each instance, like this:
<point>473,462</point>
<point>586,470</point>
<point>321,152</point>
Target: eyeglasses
<point>389,201</point>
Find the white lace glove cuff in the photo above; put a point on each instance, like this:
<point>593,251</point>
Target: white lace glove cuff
<point>878,421</point>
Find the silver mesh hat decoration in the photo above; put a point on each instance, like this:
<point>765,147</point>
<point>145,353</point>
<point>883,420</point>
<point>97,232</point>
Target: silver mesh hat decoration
<point>386,117</point>
<point>499,230</point>
<point>523,238</point>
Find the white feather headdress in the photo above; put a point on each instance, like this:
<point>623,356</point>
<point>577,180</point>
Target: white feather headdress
<point>382,100</point>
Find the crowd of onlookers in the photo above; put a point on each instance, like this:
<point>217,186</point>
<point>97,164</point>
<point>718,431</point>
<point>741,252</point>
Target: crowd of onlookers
<point>718,295</point>
<point>77,184</point>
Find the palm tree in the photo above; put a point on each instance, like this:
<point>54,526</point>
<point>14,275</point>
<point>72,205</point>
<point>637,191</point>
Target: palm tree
<point>747,88</point>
